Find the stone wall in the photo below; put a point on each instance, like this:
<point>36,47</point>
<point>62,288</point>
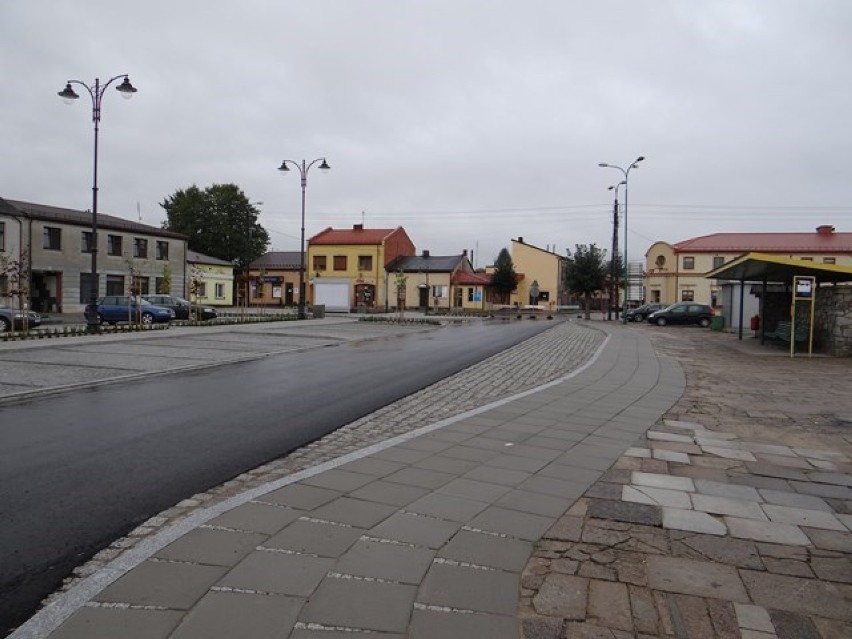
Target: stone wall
<point>833,320</point>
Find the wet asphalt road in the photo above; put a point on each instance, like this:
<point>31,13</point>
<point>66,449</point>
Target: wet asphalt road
<point>80,469</point>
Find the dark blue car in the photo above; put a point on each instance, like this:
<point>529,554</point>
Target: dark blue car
<point>122,308</point>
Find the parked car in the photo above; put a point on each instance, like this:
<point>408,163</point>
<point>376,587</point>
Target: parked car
<point>14,319</point>
<point>682,313</point>
<point>122,308</point>
<point>181,307</point>
<point>639,314</point>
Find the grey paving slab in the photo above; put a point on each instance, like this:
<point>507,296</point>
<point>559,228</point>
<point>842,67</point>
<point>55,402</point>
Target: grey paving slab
<point>838,479</point>
<point>753,617</point>
<point>771,470</point>
<point>314,537</point>
<point>340,480</point>
<point>729,453</point>
<point>236,614</point>
<point>472,489</point>
<point>305,631</point>
<point>385,492</point>
<point>109,623</point>
<point>517,462</point>
<point>256,517</point>
<point>828,491</point>
<point>448,507</point>
<point>732,491</point>
<point>430,624</point>
<point>728,506</point>
<point>588,460</point>
<point>354,512</point>
<point>692,521</point>
<point>795,500</point>
<point>448,465</point>
<point>212,547</point>
<point>278,572</point>
<point>470,453</point>
<point>416,529</point>
<point>535,503</point>
<point>698,578</point>
<point>402,455</point>
<point>580,476</point>
<point>772,532</point>
<point>803,517</point>
<point>656,480</point>
<point>300,496</point>
<point>490,591</point>
<point>360,604</point>
<point>830,539</point>
<point>487,550</point>
<point>656,496</point>
<point>373,466</point>
<point>488,443</point>
<point>812,596</point>
<point>162,583</point>
<point>401,563</point>
<point>511,522</point>
<point>430,445</point>
<point>421,477</point>
<point>495,475</point>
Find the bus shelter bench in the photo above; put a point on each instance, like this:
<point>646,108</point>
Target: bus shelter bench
<point>783,331</point>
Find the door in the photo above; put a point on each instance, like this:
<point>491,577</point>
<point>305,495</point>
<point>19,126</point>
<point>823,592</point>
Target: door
<point>424,298</point>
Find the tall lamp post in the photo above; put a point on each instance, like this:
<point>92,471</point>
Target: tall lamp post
<point>303,172</point>
<point>96,92</point>
<point>626,173</point>
<point>613,271</point>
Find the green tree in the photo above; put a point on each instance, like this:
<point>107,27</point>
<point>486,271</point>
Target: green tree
<point>504,279</point>
<point>219,221</point>
<point>586,272</point>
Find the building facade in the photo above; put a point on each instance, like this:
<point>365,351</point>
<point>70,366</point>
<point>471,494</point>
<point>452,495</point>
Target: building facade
<point>210,281</point>
<point>444,283</point>
<point>56,244</point>
<point>274,279</point>
<point>542,270</point>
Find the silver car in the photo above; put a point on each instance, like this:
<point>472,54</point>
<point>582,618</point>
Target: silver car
<point>16,319</point>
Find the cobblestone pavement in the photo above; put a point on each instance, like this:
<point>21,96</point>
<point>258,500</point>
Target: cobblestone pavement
<point>730,518</point>
<point>538,360</point>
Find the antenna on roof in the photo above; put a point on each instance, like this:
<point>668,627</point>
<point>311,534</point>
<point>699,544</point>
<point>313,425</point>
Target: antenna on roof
<point>363,215</point>
<point>138,211</point>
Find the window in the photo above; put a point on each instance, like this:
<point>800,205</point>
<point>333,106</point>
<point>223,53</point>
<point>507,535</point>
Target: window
<point>258,288</point>
<point>159,285</point>
<point>115,284</point>
<point>140,285</point>
<point>86,242</point>
<point>88,290</point>
<point>688,263</point>
<point>140,247</point>
<point>220,291</point>
<point>470,294</point>
<point>687,295</point>
<point>162,250</point>
<point>807,259</point>
<point>52,238</point>
<point>825,260</point>
<point>718,261</point>
<point>365,262</point>
<point>2,236</point>
<point>339,262</point>
<point>114,245</point>
<point>438,290</point>
<point>320,263</point>
<point>201,289</point>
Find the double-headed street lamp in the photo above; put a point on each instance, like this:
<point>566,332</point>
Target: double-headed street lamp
<point>303,172</point>
<point>97,94</point>
<point>626,173</point>
<point>613,270</point>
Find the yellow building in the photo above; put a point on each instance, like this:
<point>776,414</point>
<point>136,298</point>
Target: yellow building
<point>443,283</point>
<point>346,267</point>
<point>675,272</point>
<point>213,279</point>
<point>538,268</point>
<point>274,279</point>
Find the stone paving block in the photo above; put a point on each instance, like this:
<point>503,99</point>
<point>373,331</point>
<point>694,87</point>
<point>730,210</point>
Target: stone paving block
<point>837,479</point>
<point>644,611</point>
<point>516,462</point>
<point>316,538</point>
<point>429,624</point>
<point>727,506</point>
<point>693,521</point>
<point>803,596</point>
<point>567,528</point>
<point>771,470</point>
<point>690,615</point>
<point>828,491</point>
<point>638,452</point>
<point>662,481</point>
<point>277,572</point>
<point>787,567</point>
<point>511,522</point>
<point>487,550</point>
<point>829,628</point>
<point>494,475</point>
<point>780,460</point>
<point>733,491</point>
<point>699,578</point>
<point>723,618</point>
<point>833,568</point>
<point>420,477</point>
<point>472,489</point>
<point>830,539</point>
<point>753,617</point>
<point>535,503</point>
<point>846,519</point>
<point>656,496</point>
<point>803,517</point>
<point>813,453</point>
<point>605,490</point>
<point>301,496</point>
<point>772,449</point>
<point>789,625</point>
<point>452,466</point>
<point>772,532</point>
<point>389,561</point>
<point>678,447</point>
<point>563,596</point>
<point>391,493</point>
<point>756,481</point>
<point>257,517</point>
<point>373,466</point>
<point>490,591</point>
<point>415,529</point>
<point>729,453</point>
<point>625,512</point>
<point>337,479</point>
<point>668,437</point>
<point>556,487</point>
<point>109,623</point>
<point>232,614</point>
<point>211,547</point>
<point>795,500</point>
<point>725,550</point>
<point>609,605</point>
<point>354,603</point>
<point>447,507</point>
<point>672,456</point>
<point>161,583</point>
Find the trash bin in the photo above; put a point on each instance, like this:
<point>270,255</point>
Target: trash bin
<point>717,323</point>
<point>319,311</point>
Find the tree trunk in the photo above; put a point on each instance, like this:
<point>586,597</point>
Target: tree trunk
<point>588,304</point>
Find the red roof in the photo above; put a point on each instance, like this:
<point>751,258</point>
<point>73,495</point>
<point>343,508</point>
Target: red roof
<point>825,242</point>
<point>467,278</point>
<point>356,235</point>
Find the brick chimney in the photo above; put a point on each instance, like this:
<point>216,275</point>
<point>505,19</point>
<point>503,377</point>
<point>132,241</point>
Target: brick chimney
<point>357,227</point>
<point>425,253</point>
<point>825,229</point>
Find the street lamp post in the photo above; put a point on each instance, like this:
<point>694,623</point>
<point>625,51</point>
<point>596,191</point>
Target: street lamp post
<point>626,173</point>
<point>303,172</point>
<point>96,92</point>
<point>613,271</point>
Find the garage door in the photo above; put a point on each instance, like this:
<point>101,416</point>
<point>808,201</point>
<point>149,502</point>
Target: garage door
<point>334,295</point>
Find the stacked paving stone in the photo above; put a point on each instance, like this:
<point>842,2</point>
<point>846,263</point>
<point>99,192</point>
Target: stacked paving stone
<point>696,533</point>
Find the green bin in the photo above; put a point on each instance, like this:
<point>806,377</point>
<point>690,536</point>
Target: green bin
<point>717,323</point>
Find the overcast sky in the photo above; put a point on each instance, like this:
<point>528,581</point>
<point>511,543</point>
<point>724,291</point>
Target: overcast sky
<point>467,122</point>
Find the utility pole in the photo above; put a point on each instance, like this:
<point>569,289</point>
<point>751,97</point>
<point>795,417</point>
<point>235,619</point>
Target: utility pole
<point>613,269</point>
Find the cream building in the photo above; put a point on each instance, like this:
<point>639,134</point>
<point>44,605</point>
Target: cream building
<point>538,267</point>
